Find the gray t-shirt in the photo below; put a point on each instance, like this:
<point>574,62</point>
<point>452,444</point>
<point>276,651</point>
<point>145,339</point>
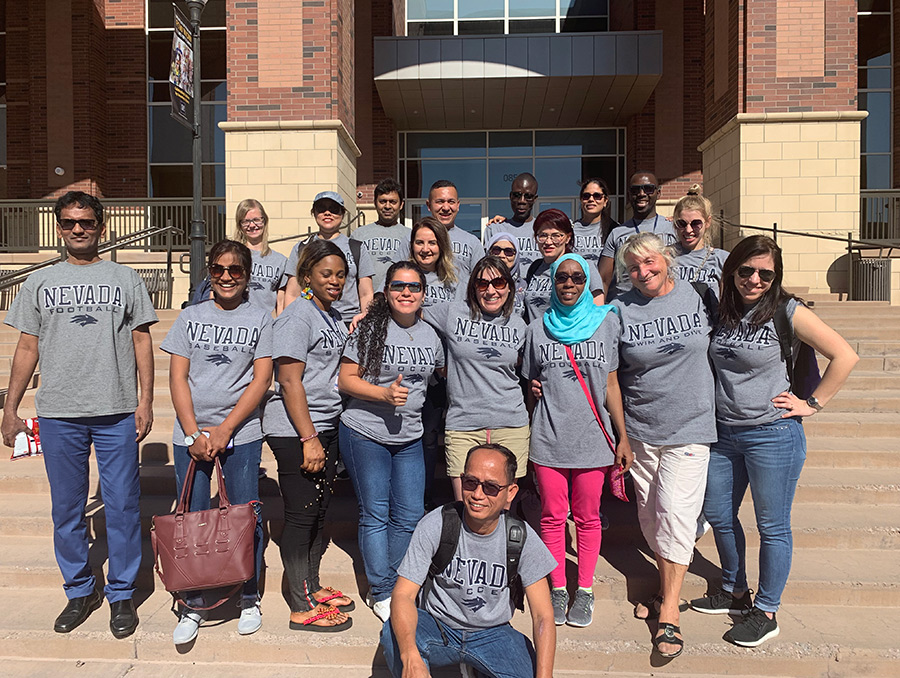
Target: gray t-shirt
<point>749,372</point>
<point>415,352</point>
<point>539,287</point>
<point>267,278</point>
<point>588,240</point>
<point>221,346</point>
<point>472,593</point>
<point>617,237</point>
<point>467,249</point>
<point>83,316</point>
<point>663,359</point>
<point>700,265</point>
<point>348,304</point>
<point>306,333</point>
<point>482,355</point>
<point>437,292</point>
<point>523,231</point>
<point>385,245</point>
<point>564,431</point>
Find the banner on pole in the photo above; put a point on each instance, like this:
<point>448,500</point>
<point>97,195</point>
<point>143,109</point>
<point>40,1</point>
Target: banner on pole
<point>181,72</point>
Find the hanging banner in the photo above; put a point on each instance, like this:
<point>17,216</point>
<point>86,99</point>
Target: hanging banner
<point>181,72</point>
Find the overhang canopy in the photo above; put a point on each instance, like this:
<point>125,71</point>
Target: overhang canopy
<point>515,82</point>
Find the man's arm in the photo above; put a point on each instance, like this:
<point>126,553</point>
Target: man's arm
<point>405,618</point>
<point>606,266</point>
<point>143,356</point>
<point>543,627</point>
<point>25,361</point>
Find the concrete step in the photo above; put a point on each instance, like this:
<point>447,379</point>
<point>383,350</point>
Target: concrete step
<point>860,424</point>
<point>865,401</point>
<point>860,380</point>
<point>814,642</point>
<point>869,363</point>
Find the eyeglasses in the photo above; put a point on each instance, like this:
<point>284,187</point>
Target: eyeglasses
<point>552,237</point>
<point>253,222</point>
<point>236,271</point>
<point>497,283</point>
<point>515,195</point>
<point>696,224</point>
<point>596,196</point>
<point>86,224</point>
<point>562,277</point>
<point>646,189</point>
<point>470,484</point>
<point>765,274</point>
<point>400,285</point>
<point>497,251</point>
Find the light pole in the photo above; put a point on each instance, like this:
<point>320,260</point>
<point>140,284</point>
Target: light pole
<point>198,227</point>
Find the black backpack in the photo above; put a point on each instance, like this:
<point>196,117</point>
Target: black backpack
<point>803,374</point>
<point>452,517</point>
<point>710,301</point>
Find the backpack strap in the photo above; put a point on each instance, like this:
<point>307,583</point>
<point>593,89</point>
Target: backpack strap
<point>515,542</point>
<point>710,301</point>
<point>532,270</point>
<point>785,338</point>
<point>355,250</point>
<point>451,525</point>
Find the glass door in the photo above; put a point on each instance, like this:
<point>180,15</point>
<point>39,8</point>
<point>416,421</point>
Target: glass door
<point>471,216</point>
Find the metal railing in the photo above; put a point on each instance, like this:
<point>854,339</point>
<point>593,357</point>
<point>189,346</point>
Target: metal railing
<point>30,225</point>
<point>884,245</point>
<point>879,215</point>
<point>360,217</point>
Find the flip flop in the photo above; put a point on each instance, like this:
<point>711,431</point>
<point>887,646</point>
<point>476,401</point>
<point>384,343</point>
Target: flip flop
<point>652,606</point>
<point>324,611</point>
<point>668,636</point>
<point>333,594</point>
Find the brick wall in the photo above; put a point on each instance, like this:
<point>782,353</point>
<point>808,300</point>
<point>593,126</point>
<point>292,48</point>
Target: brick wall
<point>321,41</point>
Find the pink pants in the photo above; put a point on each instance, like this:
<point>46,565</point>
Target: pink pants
<point>587,486</point>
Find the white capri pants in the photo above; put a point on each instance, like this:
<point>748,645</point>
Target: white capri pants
<point>670,482</point>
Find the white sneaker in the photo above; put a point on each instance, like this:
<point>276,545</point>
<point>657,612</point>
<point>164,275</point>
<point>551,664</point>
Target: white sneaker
<point>382,609</point>
<point>251,617</point>
<point>188,627</point>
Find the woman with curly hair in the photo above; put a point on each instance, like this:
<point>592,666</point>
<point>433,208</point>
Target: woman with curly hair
<point>384,370</point>
<point>432,251</point>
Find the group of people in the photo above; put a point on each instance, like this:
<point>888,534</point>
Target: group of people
<point>556,357</point>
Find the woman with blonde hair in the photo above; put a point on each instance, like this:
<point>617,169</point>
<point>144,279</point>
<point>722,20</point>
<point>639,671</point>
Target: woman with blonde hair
<point>696,260</point>
<point>267,279</point>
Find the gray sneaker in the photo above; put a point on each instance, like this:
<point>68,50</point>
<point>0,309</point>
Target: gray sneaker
<point>560,600</point>
<point>251,617</point>
<point>188,626</point>
<point>582,612</point>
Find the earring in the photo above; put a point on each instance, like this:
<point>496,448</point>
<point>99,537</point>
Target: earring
<point>306,292</point>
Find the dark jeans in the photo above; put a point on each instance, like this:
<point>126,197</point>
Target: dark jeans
<point>306,498</point>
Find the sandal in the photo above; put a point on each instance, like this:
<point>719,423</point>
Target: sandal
<point>668,636</point>
<point>322,612</point>
<point>652,606</point>
<point>334,594</point>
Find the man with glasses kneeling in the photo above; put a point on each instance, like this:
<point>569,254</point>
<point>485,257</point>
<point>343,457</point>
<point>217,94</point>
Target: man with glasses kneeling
<point>471,569</point>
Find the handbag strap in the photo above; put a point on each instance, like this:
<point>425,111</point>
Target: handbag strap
<point>584,387</point>
<point>231,592</point>
<point>188,485</point>
<point>220,479</point>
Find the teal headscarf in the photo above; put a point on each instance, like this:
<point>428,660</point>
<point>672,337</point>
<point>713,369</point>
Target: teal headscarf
<point>573,324</point>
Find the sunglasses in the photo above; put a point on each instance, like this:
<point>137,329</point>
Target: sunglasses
<point>496,251</point>
<point>86,224</point>
<point>498,284</point>
<point>400,285</point>
<point>765,274</point>
<point>646,189</point>
<point>696,224</point>
<point>515,195</point>
<point>577,278</point>
<point>235,271</point>
<point>596,196</point>
<point>470,484</point>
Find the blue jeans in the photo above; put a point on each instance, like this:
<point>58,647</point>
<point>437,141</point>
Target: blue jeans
<point>769,458</point>
<point>240,465</point>
<point>499,651</point>
<point>389,481</point>
<point>66,445</point>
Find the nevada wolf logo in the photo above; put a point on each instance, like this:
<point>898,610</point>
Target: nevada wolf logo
<point>84,320</point>
<point>670,349</point>
<point>218,359</point>
<point>414,378</point>
<point>489,352</point>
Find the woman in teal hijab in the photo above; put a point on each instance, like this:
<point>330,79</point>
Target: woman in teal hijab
<point>574,354</point>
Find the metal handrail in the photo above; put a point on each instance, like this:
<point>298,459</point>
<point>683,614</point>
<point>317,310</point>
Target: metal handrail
<point>11,279</point>
<point>360,215</point>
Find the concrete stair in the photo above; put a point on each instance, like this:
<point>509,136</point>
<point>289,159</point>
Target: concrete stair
<point>841,599</point>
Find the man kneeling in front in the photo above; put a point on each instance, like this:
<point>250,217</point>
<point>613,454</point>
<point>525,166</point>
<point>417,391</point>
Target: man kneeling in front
<point>465,607</point>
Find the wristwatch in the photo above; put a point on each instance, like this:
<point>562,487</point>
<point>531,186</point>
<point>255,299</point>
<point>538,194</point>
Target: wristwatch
<point>189,440</point>
<point>813,402</point>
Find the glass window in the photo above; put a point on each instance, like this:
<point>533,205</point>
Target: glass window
<point>533,26</point>
<point>502,173</point>
<point>874,78</point>
<point>575,142</point>
<point>876,171</point>
<point>506,144</point>
<point>3,136</point>
<point>533,8</point>
<point>479,9</point>
<point>429,9</point>
<point>160,13</point>
<point>468,175</point>
<point>174,181</point>
<point>429,28</point>
<point>874,40</point>
<point>480,27</point>
<point>584,25</point>
<point>171,142</point>
<point>438,145</point>
<point>876,128</point>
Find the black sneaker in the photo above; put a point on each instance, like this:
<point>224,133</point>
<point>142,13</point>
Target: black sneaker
<point>723,602</point>
<point>753,630</point>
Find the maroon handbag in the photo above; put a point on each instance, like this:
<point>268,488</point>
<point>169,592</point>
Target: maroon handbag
<point>617,475</point>
<point>204,549</point>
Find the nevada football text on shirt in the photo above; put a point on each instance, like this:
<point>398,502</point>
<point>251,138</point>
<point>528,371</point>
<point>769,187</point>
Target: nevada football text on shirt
<point>82,298</point>
<point>554,354</point>
<point>222,338</point>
